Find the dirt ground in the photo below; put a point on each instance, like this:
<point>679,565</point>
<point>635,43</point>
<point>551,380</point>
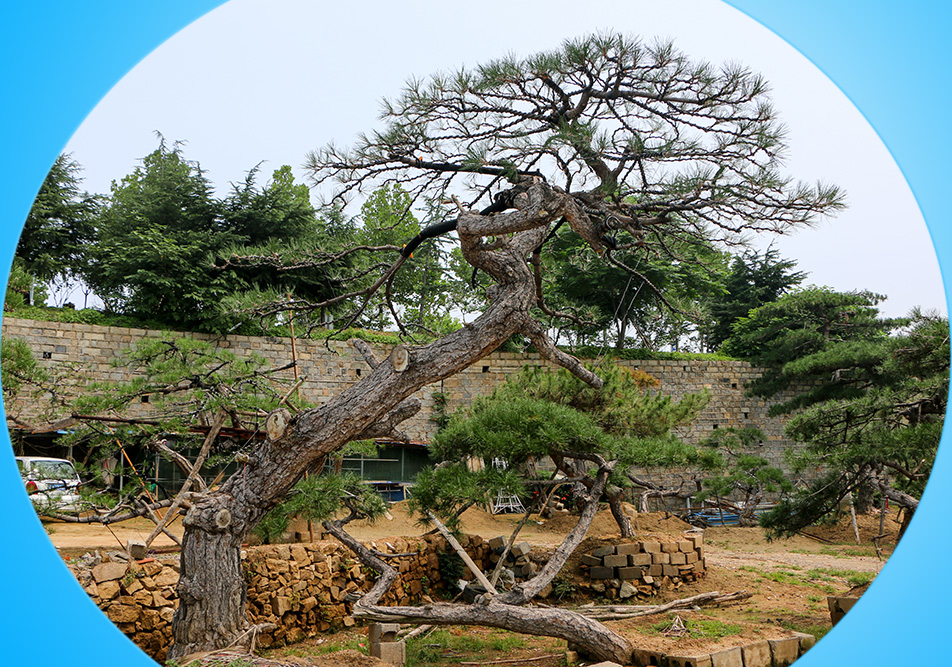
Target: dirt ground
<point>789,581</point>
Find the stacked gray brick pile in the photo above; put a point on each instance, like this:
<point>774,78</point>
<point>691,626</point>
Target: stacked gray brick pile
<point>647,564</point>
<point>516,560</point>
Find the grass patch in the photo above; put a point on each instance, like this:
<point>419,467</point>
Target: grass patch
<point>807,628</point>
<point>446,646</point>
<point>333,644</point>
<point>707,628</point>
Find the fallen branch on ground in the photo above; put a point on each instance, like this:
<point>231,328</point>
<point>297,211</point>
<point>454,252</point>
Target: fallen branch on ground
<point>619,612</point>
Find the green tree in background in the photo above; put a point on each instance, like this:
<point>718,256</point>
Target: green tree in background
<point>155,235</point>
<point>169,251</point>
<point>423,293</point>
<point>825,342</point>
<point>754,280</point>
<point>869,395</point>
<point>59,227</point>
<point>628,308</point>
<point>881,440</point>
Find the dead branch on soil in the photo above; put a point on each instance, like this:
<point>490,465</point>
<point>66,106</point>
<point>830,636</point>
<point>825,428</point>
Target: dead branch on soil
<point>514,661</point>
<point>621,612</point>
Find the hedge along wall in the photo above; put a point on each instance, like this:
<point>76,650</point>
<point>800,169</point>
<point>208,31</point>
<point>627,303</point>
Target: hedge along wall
<point>331,367</point>
<point>303,589</point>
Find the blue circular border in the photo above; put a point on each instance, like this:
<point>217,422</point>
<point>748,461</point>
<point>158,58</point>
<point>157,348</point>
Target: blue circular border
<point>60,58</point>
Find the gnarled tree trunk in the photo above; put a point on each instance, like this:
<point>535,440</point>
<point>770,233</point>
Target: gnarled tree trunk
<point>507,610</point>
<point>211,612</point>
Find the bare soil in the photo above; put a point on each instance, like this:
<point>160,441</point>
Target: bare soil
<point>789,579</point>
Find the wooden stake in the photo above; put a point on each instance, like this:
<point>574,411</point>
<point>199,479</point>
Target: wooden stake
<point>853,517</point>
<point>462,554</point>
<point>196,467</point>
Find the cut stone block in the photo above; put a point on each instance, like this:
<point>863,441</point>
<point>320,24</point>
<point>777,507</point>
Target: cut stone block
<point>659,558</point>
<point>679,558</point>
<point>628,549</point>
<point>521,549</point>
<point>784,651</point>
<point>839,606</point>
<point>601,552</point>
<point>394,653</point>
<point>497,544</point>
<point>689,661</point>
<point>806,641</point>
<point>651,547</point>
<point>670,570</point>
<point>757,654</point>
<point>382,632</point>
<point>644,658</point>
<point>136,549</point>
<point>655,570</point>
<point>590,560</point>
<point>732,657</point>
<point>601,572</point>
<point>615,561</point>
<point>685,546</point>
<point>639,559</point>
<point>630,573</point>
<point>669,547</point>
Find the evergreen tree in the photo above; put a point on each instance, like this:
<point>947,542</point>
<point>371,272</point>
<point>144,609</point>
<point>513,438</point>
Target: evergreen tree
<point>540,414</point>
<point>869,395</point>
<point>881,435</point>
<point>156,234</point>
<point>59,227</point>
<point>826,343</point>
<point>755,279</point>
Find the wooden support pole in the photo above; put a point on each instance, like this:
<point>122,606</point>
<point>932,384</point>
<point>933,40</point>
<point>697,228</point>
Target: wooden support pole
<point>196,467</point>
<point>462,554</point>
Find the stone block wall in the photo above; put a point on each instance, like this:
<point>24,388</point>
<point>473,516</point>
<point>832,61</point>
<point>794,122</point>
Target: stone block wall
<point>302,589</point>
<point>331,367</point>
<point>642,568</point>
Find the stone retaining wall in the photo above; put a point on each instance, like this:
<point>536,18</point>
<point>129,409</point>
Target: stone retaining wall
<point>331,367</point>
<point>780,652</point>
<point>303,589</point>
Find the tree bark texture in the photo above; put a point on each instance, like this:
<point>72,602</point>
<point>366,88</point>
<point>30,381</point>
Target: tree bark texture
<point>618,512</point>
<point>211,612</point>
<point>212,593</point>
<point>594,637</point>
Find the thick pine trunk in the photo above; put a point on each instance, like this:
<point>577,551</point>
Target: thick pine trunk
<point>211,611</point>
<point>211,588</point>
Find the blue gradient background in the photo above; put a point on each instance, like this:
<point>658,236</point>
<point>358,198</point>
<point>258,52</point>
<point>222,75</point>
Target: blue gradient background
<point>59,58</point>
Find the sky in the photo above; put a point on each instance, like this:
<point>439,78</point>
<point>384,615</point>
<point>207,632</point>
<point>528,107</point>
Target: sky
<point>252,82</point>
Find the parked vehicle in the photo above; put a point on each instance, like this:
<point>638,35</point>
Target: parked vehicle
<point>52,484</point>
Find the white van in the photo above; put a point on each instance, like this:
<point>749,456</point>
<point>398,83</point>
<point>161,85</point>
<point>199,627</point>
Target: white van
<point>52,484</point>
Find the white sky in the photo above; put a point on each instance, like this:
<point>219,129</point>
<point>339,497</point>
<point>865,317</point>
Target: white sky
<point>255,81</point>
